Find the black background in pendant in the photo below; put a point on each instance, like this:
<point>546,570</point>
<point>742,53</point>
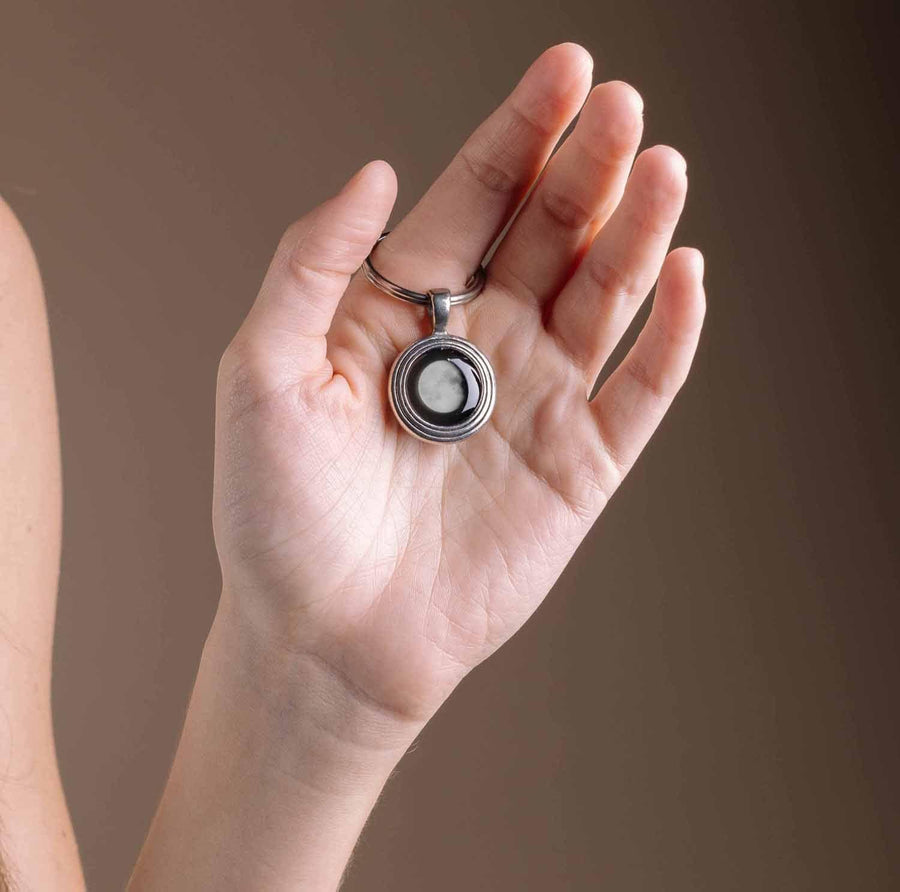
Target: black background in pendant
<point>471,383</point>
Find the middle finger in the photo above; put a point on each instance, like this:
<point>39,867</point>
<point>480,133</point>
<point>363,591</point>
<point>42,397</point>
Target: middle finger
<point>576,194</point>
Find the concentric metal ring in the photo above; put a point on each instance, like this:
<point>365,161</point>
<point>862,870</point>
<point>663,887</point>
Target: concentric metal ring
<point>412,421</point>
<point>474,284</point>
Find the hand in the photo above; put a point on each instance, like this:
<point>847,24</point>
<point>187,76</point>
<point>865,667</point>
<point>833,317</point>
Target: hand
<point>364,571</point>
<point>396,566</point>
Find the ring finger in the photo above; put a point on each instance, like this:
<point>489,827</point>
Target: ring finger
<point>600,300</point>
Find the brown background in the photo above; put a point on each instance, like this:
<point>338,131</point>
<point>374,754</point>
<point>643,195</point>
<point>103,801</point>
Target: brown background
<point>707,700</point>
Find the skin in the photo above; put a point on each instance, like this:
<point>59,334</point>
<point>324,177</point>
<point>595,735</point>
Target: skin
<point>365,572</point>
<point>37,846</point>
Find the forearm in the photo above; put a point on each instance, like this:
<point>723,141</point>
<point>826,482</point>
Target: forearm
<point>276,772</point>
<point>37,847</point>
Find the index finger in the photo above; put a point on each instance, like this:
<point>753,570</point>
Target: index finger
<point>446,235</point>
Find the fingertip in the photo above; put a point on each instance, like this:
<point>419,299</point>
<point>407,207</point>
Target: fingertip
<point>681,295</point>
<point>658,185</point>
<point>377,175</point>
<point>626,95</point>
<point>574,54</point>
<point>692,258</point>
<point>612,118</point>
<point>665,159</point>
<point>382,170</point>
<point>565,69</point>
<point>367,199</point>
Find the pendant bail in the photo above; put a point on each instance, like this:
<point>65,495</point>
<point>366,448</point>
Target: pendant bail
<point>440,309</point>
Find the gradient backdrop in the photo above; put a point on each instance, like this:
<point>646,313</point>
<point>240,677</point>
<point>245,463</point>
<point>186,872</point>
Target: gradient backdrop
<point>707,700</point>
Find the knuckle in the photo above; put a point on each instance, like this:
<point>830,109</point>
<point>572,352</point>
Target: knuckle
<point>357,232</point>
<point>540,114</point>
<point>310,278</point>
<point>639,372</point>
<point>661,386</point>
<point>489,174</point>
<point>617,143</point>
<point>293,235</point>
<point>317,257</point>
<point>657,213</point>
<point>564,210</point>
<point>609,279</point>
<point>246,375</point>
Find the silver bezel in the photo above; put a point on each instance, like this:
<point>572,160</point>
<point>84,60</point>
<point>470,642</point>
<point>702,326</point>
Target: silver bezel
<point>407,415</point>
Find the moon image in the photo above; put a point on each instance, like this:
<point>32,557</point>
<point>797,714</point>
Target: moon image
<point>441,386</point>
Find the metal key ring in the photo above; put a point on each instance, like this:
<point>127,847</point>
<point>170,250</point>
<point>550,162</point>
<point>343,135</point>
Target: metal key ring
<point>473,287</point>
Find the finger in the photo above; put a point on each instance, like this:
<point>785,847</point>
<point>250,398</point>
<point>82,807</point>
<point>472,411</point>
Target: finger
<point>314,262</point>
<point>445,236</point>
<point>634,398</point>
<point>575,195</point>
<point>597,305</point>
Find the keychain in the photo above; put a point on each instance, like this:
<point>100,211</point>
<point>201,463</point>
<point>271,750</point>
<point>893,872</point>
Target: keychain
<point>442,387</point>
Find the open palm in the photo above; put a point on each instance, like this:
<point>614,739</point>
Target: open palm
<point>396,564</point>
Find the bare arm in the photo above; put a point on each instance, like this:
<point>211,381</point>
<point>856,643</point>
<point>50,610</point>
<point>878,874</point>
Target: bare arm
<point>36,840</point>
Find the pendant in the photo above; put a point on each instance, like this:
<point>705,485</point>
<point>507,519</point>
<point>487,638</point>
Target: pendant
<point>442,387</point>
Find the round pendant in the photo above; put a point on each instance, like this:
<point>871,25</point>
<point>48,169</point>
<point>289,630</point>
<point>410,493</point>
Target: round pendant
<point>442,388</point>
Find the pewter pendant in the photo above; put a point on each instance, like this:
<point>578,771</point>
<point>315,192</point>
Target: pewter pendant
<point>442,387</point>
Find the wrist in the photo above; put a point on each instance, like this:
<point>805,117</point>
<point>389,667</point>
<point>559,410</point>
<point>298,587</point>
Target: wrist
<point>317,725</point>
<point>278,767</point>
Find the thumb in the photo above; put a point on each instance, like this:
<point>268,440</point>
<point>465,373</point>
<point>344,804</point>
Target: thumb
<point>315,260</point>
